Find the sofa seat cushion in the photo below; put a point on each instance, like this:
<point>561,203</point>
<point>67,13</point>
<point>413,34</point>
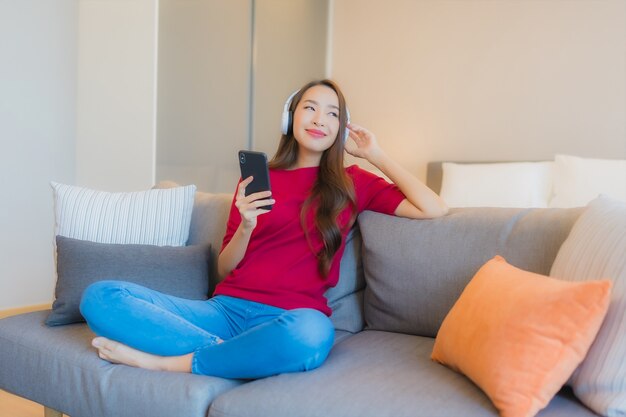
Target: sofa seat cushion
<point>373,374</point>
<point>57,367</point>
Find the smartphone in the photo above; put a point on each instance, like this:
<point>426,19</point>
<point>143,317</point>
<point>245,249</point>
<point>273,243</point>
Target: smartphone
<point>255,164</point>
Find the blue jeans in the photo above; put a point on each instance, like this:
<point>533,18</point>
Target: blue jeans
<point>229,337</point>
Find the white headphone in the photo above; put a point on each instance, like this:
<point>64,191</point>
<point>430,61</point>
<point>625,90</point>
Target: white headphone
<point>287,118</point>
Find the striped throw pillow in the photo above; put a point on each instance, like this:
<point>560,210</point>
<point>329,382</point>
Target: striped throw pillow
<point>153,217</point>
<point>596,248</point>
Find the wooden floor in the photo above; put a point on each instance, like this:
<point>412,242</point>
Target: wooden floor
<point>12,406</point>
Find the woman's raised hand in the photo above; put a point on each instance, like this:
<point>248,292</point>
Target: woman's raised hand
<point>366,144</point>
<point>249,205</point>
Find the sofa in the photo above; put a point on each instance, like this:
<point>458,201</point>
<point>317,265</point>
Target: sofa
<point>399,279</point>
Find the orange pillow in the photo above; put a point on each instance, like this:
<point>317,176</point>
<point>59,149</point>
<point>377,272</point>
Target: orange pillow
<point>520,335</point>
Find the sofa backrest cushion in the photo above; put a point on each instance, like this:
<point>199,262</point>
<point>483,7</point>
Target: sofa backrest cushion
<point>596,248</point>
<point>346,298</point>
<point>208,225</point>
<point>415,270</point>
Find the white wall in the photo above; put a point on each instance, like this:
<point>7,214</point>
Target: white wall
<point>203,91</point>
<point>116,113</point>
<point>38,56</point>
<point>485,80</point>
<point>204,81</point>
<point>77,105</point>
<point>290,51</point>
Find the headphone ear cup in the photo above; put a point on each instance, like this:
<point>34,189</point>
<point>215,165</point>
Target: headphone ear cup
<point>347,132</point>
<point>287,116</point>
<point>286,122</point>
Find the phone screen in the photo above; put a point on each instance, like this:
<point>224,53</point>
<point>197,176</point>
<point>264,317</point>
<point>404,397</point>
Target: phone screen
<point>255,164</point>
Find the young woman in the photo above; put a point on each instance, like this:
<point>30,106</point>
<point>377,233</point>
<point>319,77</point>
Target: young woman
<point>269,314</point>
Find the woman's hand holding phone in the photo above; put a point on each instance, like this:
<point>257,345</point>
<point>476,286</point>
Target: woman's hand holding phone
<point>248,206</point>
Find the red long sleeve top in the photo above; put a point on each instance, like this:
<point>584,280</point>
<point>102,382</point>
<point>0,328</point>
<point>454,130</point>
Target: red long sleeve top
<point>279,267</point>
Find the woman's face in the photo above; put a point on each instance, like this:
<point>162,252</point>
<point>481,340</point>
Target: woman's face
<point>316,119</point>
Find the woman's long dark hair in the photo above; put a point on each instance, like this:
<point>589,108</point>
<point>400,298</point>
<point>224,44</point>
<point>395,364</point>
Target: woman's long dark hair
<point>333,190</point>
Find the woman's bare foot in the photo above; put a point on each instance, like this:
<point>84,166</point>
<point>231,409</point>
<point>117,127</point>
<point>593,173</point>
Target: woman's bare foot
<point>116,352</point>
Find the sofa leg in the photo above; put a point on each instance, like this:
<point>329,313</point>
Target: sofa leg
<point>49,412</point>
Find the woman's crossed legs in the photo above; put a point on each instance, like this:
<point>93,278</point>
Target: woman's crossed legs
<point>224,336</point>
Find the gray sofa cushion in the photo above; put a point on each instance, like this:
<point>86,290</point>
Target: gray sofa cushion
<point>181,271</point>
<point>57,367</point>
<point>416,269</point>
<point>346,298</point>
<point>208,225</point>
<point>373,374</point>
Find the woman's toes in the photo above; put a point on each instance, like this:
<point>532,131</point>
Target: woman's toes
<point>100,342</point>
